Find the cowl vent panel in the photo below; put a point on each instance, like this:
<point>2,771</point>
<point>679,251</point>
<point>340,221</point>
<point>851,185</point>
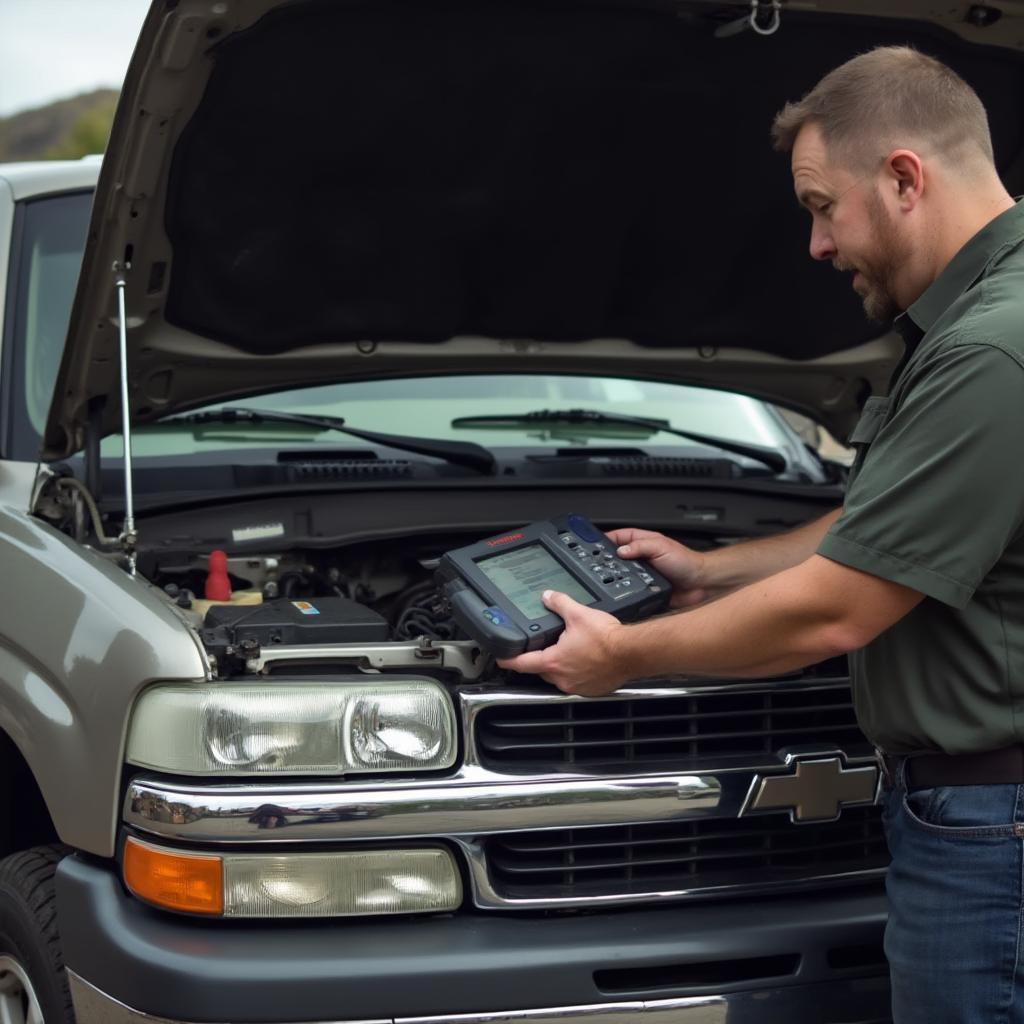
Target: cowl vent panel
<point>711,469</point>
<point>351,469</point>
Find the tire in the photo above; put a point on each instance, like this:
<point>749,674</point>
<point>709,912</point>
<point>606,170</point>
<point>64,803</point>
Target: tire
<point>33,982</point>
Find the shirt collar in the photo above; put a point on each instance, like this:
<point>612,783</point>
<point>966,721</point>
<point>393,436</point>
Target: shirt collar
<point>960,273</point>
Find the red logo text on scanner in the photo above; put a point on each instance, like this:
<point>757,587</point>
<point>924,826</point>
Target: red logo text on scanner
<point>508,538</point>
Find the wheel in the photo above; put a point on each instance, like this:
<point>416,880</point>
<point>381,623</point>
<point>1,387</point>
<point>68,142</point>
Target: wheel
<point>33,983</point>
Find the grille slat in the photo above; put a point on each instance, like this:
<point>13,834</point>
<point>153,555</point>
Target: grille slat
<point>527,845</point>
<point>685,855</point>
<point>497,722</point>
<point>514,867</point>
<point>631,731</point>
<point>506,746</point>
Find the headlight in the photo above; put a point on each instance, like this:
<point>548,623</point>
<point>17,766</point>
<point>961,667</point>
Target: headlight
<point>344,884</point>
<point>294,728</point>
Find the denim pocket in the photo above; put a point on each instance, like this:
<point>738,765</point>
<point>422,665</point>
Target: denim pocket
<point>964,812</point>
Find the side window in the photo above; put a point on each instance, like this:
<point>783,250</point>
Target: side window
<point>45,268</point>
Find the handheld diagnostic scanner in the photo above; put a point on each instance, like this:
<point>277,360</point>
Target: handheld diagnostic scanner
<point>495,586</point>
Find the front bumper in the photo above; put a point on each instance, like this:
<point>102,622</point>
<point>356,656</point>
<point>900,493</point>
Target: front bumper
<point>678,964</point>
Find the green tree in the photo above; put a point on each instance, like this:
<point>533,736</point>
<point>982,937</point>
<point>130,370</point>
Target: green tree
<point>87,135</point>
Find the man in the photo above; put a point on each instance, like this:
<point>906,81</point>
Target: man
<point>920,576</point>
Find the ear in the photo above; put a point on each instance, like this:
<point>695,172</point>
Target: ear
<point>903,173</point>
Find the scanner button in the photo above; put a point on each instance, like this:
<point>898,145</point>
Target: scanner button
<point>583,528</point>
<point>607,579</point>
<point>534,628</point>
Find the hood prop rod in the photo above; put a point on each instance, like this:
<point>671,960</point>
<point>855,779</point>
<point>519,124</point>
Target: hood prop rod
<point>128,537</point>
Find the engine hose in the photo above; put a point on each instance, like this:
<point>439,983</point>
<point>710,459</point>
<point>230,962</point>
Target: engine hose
<point>70,483</point>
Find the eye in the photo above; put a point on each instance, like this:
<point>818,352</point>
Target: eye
<point>824,208</point>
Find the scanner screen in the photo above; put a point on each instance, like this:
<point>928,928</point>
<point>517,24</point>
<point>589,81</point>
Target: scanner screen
<point>523,574</point>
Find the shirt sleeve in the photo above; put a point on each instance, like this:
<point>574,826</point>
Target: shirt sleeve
<point>940,492</point>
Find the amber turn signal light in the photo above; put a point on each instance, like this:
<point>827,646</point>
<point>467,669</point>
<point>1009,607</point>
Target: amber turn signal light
<point>177,881</point>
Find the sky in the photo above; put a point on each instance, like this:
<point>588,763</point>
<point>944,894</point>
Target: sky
<point>52,49</point>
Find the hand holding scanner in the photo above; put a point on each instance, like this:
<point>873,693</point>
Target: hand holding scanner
<point>495,586</point>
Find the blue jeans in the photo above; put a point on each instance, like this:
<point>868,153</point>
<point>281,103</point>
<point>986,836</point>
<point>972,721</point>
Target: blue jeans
<point>955,903</point>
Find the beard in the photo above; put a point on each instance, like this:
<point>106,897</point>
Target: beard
<point>878,272</point>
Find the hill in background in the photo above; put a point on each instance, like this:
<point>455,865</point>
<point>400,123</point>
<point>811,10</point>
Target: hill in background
<point>64,130</point>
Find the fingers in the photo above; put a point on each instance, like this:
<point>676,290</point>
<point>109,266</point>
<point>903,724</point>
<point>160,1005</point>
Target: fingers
<point>633,543</point>
<point>530,663</point>
<point>644,547</point>
<point>538,662</point>
<point>549,662</point>
<point>622,536</point>
<point>627,534</point>
<point>561,604</point>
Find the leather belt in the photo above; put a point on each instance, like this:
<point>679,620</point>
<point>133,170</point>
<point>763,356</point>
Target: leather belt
<point>992,767</point>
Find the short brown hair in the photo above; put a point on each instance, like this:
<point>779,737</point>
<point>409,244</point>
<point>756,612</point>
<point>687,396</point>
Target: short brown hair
<point>885,98</point>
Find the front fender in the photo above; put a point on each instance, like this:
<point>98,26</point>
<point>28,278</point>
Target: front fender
<point>79,638</point>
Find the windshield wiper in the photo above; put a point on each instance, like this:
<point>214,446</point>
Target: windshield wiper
<point>772,459</point>
<point>460,453</point>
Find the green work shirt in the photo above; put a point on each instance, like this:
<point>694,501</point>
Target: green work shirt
<point>936,503</point>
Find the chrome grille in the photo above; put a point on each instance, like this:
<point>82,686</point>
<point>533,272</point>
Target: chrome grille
<point>724,723</point>
<point>704,854</point>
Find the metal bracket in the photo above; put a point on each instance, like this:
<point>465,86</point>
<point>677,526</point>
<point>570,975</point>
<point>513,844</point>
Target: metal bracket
<point>753,20</point>
<point>462,656</point>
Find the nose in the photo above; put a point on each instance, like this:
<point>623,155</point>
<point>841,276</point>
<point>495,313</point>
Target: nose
<point>822,246</point>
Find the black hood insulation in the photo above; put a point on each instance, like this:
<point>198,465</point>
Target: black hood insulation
<point>399,171</point>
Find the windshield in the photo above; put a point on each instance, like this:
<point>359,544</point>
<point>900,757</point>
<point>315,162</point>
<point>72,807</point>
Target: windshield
<point>426,407</point>
<point>48,259</point>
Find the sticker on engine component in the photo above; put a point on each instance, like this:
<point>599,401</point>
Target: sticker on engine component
<point>306,608</point>
<point>261,531</point>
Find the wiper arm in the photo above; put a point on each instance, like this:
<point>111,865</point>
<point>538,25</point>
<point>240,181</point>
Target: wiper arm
<point>459,453</point>
<point>772,459</point>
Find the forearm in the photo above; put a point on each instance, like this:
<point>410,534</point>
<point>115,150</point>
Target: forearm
<point>738,565</point>
<point>780,632</point>
<point>815,610</point>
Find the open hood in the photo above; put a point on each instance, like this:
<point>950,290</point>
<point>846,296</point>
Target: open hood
<point>305,191</point>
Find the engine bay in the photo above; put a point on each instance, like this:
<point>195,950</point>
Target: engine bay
<point>307,573</point>
<point>372,594</point>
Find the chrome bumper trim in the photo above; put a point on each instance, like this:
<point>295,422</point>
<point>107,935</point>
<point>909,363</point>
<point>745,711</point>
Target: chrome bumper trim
<point>95,1007</point>
<point>231,814</point>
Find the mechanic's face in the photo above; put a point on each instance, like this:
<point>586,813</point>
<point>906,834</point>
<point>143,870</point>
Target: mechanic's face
<point>851,225</point>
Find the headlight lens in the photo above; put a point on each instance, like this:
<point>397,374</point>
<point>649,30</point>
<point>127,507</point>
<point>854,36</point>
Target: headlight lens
<point>294,728</point>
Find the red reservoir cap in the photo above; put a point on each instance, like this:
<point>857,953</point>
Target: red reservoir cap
<point>218,586</point>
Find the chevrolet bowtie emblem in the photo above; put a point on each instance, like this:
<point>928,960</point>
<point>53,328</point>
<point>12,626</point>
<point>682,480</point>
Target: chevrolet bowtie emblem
<point>815,791</point>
